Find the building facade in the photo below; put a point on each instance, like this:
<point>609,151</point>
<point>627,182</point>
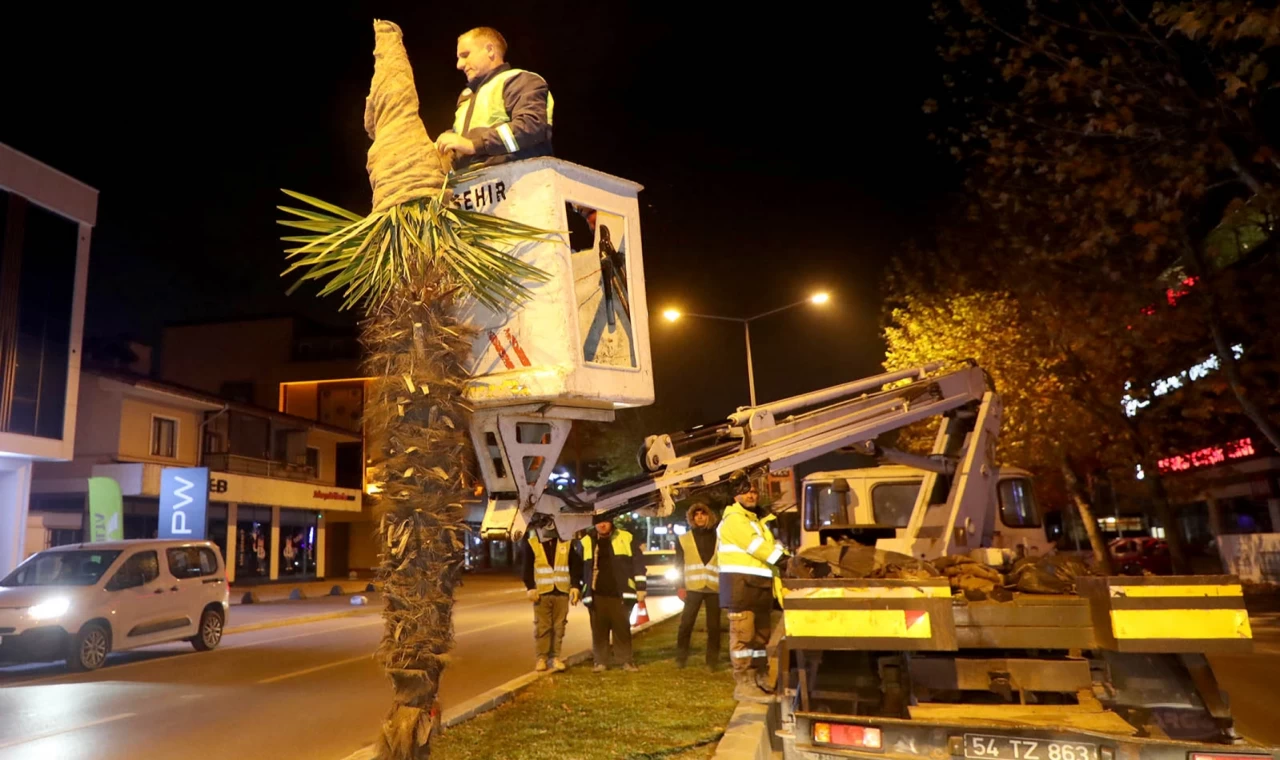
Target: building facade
<point>46,220</point>
<point>276,482</point>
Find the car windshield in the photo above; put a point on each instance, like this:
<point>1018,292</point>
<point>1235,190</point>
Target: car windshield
<point>62,568</point>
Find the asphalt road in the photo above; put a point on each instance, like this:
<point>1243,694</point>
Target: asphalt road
<point>309,690</point>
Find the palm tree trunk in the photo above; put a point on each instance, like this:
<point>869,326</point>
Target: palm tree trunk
<point>417,421</point>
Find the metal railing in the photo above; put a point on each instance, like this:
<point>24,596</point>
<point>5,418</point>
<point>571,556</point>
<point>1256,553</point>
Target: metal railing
<point>267,468</point>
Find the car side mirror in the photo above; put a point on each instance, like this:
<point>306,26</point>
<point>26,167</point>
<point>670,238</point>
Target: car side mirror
<point>840,485</point>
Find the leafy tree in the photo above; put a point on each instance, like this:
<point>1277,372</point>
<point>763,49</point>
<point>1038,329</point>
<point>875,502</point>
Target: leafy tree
<point>1125,142</point>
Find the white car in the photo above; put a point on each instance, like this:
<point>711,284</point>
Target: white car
<point>84,601</point>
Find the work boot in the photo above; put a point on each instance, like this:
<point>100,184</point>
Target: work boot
<point>599,669</point>
<point>747,690</point>
<point>681,662</point>
<point>558,665</point>
<point>541,665</point>
<point>630,667</point>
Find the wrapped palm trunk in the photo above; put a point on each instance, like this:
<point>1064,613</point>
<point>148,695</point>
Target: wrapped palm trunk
<point>411,264</point>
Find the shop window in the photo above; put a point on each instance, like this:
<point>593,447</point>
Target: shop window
<point>298,543</point>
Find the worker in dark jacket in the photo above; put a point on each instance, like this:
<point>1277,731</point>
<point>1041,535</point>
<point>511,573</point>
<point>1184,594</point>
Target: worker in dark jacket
<point>552,578</point>
<point>504,114</point>
<point>613,581</point>
<point>699,582</point>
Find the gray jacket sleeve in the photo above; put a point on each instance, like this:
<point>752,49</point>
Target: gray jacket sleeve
<point>525,97</point>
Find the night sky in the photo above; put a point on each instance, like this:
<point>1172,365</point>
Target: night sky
<point>779,156</point>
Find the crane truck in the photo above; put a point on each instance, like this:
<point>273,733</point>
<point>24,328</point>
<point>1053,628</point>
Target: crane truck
<point>866,667</point>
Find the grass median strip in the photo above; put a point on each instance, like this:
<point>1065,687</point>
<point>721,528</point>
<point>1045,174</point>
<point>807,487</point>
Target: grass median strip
<point>662,712</point>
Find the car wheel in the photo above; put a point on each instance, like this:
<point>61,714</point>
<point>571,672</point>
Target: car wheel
<point>89,648</point>
<point>210,633</point>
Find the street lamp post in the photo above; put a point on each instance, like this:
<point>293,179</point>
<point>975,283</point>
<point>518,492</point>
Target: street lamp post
<point>672,315</point>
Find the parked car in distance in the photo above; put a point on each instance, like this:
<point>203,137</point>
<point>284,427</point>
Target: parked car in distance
<point>661,574</point>
<point>1136,556</point>
<point>81,602</point>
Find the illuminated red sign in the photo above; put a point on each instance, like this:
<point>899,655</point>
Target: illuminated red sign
<point>1208,457</point>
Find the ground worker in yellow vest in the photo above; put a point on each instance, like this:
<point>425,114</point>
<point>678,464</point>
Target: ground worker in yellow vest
<point>504,114</point>
<point>699,582</point>
<point>552,573</point>
<point>749,560</point>
<point>613,580</point>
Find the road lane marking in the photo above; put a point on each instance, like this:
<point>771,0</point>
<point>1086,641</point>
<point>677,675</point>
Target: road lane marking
<point>316,669</point>
<point>60,731</point>
<point>109,670</point>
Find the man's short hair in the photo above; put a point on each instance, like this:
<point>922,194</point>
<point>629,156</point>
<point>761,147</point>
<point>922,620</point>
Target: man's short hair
<point>489,34</point>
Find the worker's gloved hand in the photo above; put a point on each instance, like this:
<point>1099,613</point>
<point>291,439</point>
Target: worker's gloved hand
<point>575,596</point>
<point>682,594</point>
<point>640,597</point>
<point>532,594</point>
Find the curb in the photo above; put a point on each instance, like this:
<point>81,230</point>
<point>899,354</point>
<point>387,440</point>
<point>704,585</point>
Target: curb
<point>747,735</point>
<point>299,620</point>
<point>504,693</point>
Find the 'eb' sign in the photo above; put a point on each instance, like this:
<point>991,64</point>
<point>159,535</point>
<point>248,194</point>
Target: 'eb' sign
<point>184,496</point>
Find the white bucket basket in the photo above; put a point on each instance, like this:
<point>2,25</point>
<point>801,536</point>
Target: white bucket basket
<point>582,340</point>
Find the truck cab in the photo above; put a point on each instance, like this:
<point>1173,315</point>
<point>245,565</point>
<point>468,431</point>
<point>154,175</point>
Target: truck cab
<point>876,506</point>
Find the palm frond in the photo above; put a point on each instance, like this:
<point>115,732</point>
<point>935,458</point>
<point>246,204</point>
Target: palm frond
<point>368,258</point>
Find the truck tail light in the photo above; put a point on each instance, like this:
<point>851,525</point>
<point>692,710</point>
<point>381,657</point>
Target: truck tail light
<point>846,735</point>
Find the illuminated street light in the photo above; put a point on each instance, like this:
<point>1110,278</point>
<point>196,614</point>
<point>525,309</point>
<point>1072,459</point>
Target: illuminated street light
<point>819,298</point>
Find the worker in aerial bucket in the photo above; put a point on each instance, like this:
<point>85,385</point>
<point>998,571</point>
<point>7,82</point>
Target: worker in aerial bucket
<point>750,559</point>
<point>504,114</point>
<point>552,579</point>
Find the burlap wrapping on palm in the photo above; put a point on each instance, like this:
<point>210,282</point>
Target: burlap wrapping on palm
<point>410,264</point>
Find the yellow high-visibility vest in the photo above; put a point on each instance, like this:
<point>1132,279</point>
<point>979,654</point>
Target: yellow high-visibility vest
<point>491,109</point>
<point>621,542</point>
<point>697,575</point>
<point>546,577</point>
<point>746,545</point>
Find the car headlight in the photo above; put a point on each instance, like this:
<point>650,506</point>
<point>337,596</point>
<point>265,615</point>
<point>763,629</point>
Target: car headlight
<point>50,608</point>
<point>671,574</point>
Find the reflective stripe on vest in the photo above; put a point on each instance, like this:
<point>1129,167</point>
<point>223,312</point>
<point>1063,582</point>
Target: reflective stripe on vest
<point>491,109</point>
<point>546,577</point>
<point>739,559</point>
<point>697,576</point>
<point>621,542</point>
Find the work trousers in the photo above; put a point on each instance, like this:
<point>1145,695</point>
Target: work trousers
<point>693,600</point>
<point>749,631</point>
<point>549,615</point>
<point>610,616</point>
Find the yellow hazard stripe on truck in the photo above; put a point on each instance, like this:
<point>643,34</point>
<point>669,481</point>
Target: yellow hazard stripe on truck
<point>898,624</point>
<point>871,592</point>
<point>1176,624</point>
<point>1174,591</point>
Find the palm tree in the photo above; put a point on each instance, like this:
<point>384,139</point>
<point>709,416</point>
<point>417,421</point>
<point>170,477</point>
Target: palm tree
<point>410,265</point>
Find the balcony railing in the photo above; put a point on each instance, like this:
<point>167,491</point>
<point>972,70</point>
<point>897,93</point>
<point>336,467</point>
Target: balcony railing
<point>266,468</point>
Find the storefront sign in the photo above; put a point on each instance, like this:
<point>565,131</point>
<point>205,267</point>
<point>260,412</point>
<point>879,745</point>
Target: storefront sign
<point>106,509</point>
<point>232,487</point>
<point>184,496</point>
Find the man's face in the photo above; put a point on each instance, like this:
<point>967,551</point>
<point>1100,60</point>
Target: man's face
<point>700,519</point>
<point>476,57</point>
<point>604,528</point>
<point>749,499</point>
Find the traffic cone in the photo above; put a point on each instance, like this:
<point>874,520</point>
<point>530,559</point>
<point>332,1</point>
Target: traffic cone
<point>640,615</point>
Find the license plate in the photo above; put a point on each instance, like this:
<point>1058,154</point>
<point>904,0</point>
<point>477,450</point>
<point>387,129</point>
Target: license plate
<point>987,747</point>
